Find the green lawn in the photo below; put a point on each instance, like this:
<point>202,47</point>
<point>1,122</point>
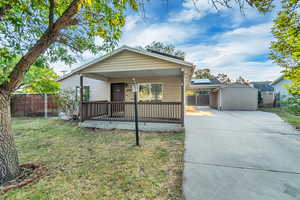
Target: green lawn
<point>85,164</point>
<point>288,117</point>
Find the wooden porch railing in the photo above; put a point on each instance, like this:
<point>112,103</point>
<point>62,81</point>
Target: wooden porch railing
<point>162,112</point>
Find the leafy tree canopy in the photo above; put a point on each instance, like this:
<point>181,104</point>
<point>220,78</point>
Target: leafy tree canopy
<point>39,78</point>
<point>223,78</point>
<point>261,5</point>
<point>57,30</point>
<point>285,50</point>
<point>164,48</point>
<point>203,74</point>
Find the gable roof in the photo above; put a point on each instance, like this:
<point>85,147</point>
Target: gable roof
<point>236,85</point>
<point>123,48</point>
<point>263,86</point>
<point>280,78</point>
<point>209,81</point>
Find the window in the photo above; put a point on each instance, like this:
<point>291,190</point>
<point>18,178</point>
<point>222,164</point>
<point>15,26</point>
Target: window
<point>86,93</point>
<point>150,92</point>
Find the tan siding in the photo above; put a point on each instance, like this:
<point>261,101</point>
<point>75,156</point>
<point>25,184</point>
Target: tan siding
<point>171,87</point>
<point>126,61</point>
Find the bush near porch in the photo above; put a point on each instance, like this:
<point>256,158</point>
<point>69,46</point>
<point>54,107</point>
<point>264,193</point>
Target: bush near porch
<point>86,164</point>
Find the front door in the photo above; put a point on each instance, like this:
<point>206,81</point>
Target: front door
<point>117,95</point>
<point>117,92</point>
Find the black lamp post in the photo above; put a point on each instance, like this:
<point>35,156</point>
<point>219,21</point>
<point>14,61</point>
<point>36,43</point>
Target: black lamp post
<point>135,90</point>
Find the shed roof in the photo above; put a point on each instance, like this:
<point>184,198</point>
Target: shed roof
<point>277,80</point>
<point>236,85</point>
<point>263,86</point>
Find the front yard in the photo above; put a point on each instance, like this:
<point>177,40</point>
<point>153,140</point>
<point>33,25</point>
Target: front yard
<point>86,164</point>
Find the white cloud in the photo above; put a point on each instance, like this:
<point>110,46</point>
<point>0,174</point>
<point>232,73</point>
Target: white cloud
<point>131,23</point>
<point>192,10</point>
<point>232,51</point>
<point>173,33</point>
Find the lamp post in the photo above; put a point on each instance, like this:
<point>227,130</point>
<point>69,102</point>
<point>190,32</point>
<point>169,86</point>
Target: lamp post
<point>135,89</point>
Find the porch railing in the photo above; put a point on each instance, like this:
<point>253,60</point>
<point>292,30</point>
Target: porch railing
<point>162,112</point>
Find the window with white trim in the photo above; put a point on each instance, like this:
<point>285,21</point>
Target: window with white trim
<point>150,92</point>
<point>86,93</point>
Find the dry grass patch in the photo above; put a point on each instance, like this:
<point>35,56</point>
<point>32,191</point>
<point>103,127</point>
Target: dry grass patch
<point>85,164</point>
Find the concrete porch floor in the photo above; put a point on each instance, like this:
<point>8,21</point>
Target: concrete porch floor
<point>143,126</point>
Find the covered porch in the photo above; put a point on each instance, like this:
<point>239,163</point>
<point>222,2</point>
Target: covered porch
<point>161,94</point>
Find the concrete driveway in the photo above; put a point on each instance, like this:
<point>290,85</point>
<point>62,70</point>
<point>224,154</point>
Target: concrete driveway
<point>240,155</point>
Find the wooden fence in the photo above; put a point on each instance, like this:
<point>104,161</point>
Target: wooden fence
<point>198,100</point>
<point>29,105</point>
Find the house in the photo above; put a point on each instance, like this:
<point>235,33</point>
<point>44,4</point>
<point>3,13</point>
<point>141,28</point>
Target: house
<point>280,91</point>
<point>105,86</point>
<point>234,96</point>
<point>199,89</point>
<point>266,92</point>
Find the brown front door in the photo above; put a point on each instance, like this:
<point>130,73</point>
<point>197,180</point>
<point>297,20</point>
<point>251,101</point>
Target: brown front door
<point>117,91</point>
<point>117,95</point>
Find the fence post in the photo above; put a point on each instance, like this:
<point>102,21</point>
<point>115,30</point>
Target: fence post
<point>46,106</point>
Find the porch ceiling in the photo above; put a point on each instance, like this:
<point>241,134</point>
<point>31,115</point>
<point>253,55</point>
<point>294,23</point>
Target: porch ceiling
<point>136,73</point>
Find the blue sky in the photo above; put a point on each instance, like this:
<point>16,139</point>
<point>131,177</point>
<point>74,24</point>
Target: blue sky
<point>224,41</point>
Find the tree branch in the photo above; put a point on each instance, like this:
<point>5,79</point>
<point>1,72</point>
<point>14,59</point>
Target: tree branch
<point>49,37</point>
<point>65,42</point>
<point>4,10</point>
<point>51,12</point>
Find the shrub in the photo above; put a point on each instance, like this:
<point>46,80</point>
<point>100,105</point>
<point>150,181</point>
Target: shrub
<point>292,104</point>
<point>67,103</point>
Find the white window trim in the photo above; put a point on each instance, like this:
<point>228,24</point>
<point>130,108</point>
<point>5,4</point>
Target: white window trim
<point>162,88</point>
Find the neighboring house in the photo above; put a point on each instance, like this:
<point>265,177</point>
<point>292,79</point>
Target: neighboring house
<point>266,92</point>
<point>280,90</point>
<point>199,90</point>
<point>161,81</point>
<point>234,96</point>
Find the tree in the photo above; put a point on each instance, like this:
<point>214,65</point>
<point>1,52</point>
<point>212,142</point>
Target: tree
<point>164,48</point>
<point>242,80</point>
<point>203,74</point>
<point>285,50</point>
<point>49,31</point>
<point>223,78</point>
<point>261,5</point>
<point>39,79</point>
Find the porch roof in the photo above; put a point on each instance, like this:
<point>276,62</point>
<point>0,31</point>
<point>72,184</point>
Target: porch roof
<point>86,68</point>
<point>133,73</point>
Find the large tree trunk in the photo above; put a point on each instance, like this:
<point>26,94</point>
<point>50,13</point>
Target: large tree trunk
<point>9,164</point>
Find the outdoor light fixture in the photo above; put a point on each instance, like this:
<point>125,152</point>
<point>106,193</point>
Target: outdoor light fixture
<point>135,89</point>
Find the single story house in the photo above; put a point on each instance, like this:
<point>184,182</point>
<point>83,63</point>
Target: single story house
<point>265,92</point>
<point>234,96</point>
<point>280,91</point>
<point>199,89</point>
<point>105,86</point>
